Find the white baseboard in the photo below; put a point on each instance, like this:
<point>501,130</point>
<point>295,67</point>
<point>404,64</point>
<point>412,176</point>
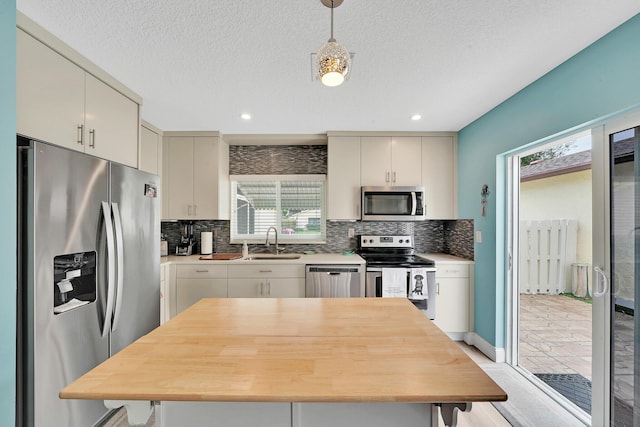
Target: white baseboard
<point>498,355</point>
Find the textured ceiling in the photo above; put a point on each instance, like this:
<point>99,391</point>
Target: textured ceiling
<point>199,64</point>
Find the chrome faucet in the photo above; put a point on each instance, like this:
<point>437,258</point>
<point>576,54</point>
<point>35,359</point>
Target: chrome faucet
<point>266,242</point>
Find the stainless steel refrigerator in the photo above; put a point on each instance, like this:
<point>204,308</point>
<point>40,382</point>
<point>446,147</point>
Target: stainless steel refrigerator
<point>88,274</point>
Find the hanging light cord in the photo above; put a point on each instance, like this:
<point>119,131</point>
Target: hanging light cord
<point>332,39</point>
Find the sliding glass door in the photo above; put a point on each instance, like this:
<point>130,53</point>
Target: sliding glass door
<point>616,184</point>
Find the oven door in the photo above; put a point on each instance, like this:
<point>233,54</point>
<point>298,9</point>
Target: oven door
<point>373,289</point>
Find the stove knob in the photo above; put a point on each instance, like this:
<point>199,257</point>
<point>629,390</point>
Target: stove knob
<point>400,241</point>
<point>371,241</point>
<point>407,240</point>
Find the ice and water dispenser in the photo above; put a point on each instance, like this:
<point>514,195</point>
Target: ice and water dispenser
<point>74,281</point>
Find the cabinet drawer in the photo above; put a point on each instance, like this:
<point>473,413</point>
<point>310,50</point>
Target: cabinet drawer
<point>452,270</point>
<point>266,270</point>
<point>201,271</point>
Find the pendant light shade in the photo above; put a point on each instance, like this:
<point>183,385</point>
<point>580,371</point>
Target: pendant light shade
<point>333,61</point>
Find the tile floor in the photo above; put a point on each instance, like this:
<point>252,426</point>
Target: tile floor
<point>555,335</point>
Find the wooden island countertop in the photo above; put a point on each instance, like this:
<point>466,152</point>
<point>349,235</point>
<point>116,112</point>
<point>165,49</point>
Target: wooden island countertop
<point>292,350</point>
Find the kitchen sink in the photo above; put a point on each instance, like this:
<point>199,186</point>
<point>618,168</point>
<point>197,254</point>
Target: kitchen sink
<point>258,257</point>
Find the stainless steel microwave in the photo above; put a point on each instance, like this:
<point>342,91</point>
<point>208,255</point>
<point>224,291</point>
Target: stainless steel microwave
<point>392,204</point>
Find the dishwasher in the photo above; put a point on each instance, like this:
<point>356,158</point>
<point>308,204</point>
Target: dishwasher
<point>334,281</point>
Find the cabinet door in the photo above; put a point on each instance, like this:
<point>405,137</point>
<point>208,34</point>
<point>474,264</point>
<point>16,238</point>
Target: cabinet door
<point>452,304</point>
<point>190,291</point>
<point>247,288</point>
<point>286,288</point>
<point>205,172</point>
<point>112,123</point>
<point>439,176</point>
<point>50,94</point>
<point>406,160</point>
<point>375,160</point>
<point>179,192</point>
<point>150,149</point>
<point>343,186</point>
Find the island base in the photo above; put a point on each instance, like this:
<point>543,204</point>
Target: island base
<point>235,414</point>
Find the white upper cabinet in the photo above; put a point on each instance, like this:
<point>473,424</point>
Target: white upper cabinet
<point>50,94</point>
<point>61,103</point>
<point>343,178</point>
<point>196,177</point>
<point>150,157</point>
<point>111,123</point>
<point>390,160</point>
<point>439,173</point>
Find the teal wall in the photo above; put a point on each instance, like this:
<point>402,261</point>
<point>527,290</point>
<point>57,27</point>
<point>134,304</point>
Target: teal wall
<point>600,80</point>
<point>8,214</point>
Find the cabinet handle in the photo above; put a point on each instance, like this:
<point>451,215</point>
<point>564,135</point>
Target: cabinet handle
<point>92,138</point>
<point>189,210</point>
<point>202,271</point>
<point>265,271</point>
<point>81,134</point>
<point>195,210</point>
<point>438,288</point>
<point>268,288</point>
<point>386,178</point>
<point>394,177</point>
<point>261,289</point>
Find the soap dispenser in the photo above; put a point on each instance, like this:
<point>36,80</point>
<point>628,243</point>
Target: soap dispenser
<point>245,249</point>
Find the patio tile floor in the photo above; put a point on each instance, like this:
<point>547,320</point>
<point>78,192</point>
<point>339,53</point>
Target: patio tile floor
<point>555,335</point>
<point>555,338</point>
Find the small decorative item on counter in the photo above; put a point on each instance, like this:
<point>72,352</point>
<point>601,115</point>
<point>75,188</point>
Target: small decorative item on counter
<point>245,249</point>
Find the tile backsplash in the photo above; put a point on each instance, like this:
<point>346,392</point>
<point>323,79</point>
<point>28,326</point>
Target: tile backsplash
<point>453,237</point>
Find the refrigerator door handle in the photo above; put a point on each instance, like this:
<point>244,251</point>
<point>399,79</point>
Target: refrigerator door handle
<point>117,222</point>
<point>111,274</point>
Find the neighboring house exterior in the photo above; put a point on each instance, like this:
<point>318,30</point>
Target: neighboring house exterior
<point>560,188</point>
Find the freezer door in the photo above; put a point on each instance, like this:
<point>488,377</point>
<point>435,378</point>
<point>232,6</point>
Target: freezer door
<point>134,196</point>
<point>61,194</point>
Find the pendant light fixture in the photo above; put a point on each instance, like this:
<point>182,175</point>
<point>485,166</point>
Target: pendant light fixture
<point>333,61</point>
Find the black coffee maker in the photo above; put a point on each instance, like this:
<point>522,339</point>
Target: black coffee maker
<point>187,239</point>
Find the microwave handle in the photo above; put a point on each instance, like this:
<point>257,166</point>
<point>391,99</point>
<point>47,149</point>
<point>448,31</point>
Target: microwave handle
<point>414,203</point>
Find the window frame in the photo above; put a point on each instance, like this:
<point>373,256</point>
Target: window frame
<point>282,238</point>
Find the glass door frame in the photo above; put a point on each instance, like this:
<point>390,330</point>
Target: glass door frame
<point>508,167</point>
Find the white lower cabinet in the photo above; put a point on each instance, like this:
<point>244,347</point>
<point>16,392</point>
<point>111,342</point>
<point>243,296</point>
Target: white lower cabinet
<point>266,281</point>
<point>194,282</point>
<point>285,414</point>
<point>454,293</point>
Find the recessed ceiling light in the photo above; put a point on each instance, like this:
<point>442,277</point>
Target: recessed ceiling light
<point>416,117</point>
<point>246,116</point>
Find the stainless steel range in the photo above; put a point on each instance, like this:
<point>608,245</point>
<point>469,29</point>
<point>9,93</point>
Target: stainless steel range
<point>394,270</point>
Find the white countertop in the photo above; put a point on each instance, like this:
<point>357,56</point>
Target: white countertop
<point>447,258</point>
<point>334,258</point>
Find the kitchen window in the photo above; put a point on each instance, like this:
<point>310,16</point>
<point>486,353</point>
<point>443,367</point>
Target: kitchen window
<point>294,204</point>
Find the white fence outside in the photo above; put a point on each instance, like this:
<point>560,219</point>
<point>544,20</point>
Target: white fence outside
<point>547,250</point>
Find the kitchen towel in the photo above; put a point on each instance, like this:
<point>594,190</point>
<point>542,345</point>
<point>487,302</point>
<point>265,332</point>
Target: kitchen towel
<point>394,282</point>
<point>206,243</point>
<point>418,288</point>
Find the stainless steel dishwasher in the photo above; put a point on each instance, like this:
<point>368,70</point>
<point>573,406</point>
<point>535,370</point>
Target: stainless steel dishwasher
<point>334,281</point>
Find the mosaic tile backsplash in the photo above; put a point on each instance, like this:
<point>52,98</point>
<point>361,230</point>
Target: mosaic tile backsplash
<point>454,237</point>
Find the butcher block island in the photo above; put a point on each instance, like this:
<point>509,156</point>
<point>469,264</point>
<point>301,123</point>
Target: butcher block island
<point>292,362</point>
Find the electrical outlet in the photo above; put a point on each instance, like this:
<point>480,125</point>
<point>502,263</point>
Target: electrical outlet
<point>351,232</point>
<point>478,236</point>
